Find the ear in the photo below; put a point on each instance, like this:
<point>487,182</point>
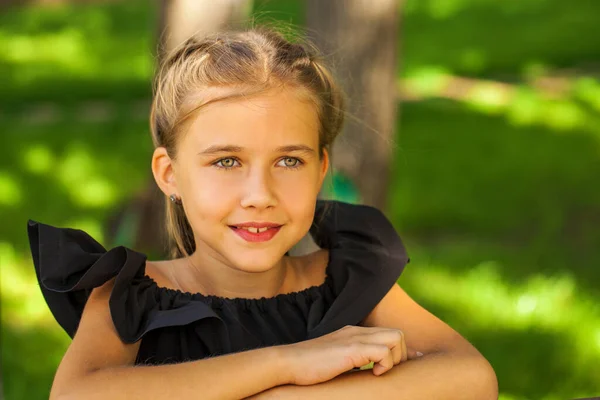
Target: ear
<point>324,166</point>
<point>162,169</point>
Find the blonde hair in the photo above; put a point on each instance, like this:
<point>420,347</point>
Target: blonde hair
<point>229,65</point>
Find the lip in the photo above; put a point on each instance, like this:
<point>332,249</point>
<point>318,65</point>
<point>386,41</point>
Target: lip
<point>256,225</point>
<point>256,237</point>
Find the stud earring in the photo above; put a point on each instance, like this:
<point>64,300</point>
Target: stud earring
<point>174,199</point>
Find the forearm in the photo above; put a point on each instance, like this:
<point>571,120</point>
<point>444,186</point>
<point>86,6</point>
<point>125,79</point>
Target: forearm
<point>438,375</point>
<point>232,376</point>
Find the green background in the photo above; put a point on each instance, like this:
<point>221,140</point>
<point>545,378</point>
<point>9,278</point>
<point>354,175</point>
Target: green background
<point>496,196</point>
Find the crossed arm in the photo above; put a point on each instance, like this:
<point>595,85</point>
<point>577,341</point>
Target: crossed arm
<point>98,365</point>
<point>451,367</point>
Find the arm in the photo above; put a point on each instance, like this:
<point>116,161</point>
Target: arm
<point>97,365</point>
<point>211,377</point>
<point>451,367</point>
<point>436,375</point>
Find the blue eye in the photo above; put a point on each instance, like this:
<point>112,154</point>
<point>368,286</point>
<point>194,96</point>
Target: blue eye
<point>227,163</point>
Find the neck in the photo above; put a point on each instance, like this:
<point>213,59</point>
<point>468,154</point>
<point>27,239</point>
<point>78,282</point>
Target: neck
<point>208,271</point>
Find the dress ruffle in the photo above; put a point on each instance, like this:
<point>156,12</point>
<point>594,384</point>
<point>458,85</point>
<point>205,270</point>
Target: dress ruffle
<point>69,264</point>
<point>366,257</point>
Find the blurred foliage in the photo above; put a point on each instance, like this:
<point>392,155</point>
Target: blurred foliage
<point>494,187</point>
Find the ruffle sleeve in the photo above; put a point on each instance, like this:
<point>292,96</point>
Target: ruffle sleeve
<point>367,257</point>
<point>69,264</point>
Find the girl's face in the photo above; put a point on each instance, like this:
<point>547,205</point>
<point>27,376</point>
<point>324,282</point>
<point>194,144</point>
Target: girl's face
<point>248,161</point>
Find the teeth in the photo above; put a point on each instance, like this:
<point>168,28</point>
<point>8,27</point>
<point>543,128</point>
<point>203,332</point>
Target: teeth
<point>256,230</point>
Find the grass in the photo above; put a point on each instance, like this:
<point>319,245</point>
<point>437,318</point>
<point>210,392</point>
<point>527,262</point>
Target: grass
<point>495,198</point>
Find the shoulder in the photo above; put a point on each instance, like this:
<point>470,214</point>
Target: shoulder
<point>158,271</point>
<point>174,275</point>
<point>71,267</point>
<point>366,258</point>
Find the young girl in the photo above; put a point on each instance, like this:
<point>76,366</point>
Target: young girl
<point>242,123</point>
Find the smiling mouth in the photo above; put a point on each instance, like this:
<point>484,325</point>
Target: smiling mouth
<point>256,234</point>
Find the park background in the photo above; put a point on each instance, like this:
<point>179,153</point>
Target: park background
<point>495,186</point>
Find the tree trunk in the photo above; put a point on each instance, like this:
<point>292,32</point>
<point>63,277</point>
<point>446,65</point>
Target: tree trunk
<point>180,19</point>
<point>361,37</point>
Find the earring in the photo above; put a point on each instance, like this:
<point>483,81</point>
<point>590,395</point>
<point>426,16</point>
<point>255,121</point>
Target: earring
<point>174,199</point>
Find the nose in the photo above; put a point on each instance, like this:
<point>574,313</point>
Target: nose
<point>258,190</point>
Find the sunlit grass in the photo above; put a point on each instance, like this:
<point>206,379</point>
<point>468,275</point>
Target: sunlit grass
<point>69,53</point>
<point>10,190</point>
<point>38,159</point>
<point>65,49</point>
<point>81,175</point>
<point>23,304</point>
<point>75,51</point>
<point>78,48</point>
<point>32,342</point>
<point>546,302</point>
<point>487,37</point>
<point>522,104</point>
<point>478,299</point>
<point>588,90</point>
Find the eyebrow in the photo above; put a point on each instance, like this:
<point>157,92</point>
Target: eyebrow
<point>237,149</point>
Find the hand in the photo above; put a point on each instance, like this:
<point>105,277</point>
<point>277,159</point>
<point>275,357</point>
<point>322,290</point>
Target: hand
<point>322,359</point>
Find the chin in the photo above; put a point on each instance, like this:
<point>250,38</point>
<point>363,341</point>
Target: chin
<point>257,257</point>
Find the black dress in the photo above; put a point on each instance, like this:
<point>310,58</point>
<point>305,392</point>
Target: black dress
<point>366,257</point>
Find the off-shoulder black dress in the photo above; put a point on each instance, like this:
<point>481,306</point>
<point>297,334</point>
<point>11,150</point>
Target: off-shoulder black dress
<point>366,257</point>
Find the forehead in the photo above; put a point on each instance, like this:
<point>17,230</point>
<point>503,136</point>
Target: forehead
<point>267,120</point>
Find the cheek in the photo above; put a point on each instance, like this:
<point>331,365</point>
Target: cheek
<point>207,197</point>
<point>304,182</point>
<point>297,192</point>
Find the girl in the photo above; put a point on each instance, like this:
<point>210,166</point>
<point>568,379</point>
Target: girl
<point>242,123</point>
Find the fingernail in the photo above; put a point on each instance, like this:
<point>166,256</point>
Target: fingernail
<point>419,354</point>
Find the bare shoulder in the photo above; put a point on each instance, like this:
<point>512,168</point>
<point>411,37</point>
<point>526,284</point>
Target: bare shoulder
<point>172,273</point>
<point>160,272</point>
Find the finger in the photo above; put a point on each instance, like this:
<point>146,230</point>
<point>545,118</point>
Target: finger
<point>399,351</point>
<point>390,337</point>
<point>375,353</point>
<point>414,354</point>
<point>385,364</point>
<point>404,350</point>
<point>397,354</point>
